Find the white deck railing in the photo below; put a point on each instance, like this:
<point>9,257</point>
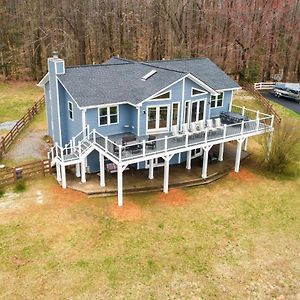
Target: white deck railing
<point>264,85</point>
<point>259,122</point>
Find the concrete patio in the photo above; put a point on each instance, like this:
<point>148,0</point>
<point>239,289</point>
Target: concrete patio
<point>136,181</point>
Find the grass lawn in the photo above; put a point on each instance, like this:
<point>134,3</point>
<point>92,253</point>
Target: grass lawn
<point>238,238</point>
<point>16,97</point>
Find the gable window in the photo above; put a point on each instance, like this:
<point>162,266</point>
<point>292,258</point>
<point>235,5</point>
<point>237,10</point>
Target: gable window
<point>108,115</point>
<point>196,92</point>
<point>217,101</point>
<point>164,96</point>
<point>70,110</point>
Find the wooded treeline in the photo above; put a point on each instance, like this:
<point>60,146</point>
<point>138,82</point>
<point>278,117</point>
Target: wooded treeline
<point>249,39</point>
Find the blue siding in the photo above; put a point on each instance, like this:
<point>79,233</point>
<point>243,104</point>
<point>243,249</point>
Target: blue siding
<point>127,120</point>
<point>214,112</point>
<point>48,109</point>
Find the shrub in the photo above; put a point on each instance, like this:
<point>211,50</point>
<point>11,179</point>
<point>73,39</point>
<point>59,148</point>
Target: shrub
<point>284,147</point>
<point>2,192</point>
<point>19,187</point>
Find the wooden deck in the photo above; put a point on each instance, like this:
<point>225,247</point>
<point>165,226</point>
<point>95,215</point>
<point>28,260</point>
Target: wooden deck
<point>136,181</point>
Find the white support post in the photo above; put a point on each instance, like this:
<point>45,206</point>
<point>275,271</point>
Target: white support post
<point>166,175</point>
<point>83,170</point>
<point>189,160</point>
<point>205,162</point>
<point>77,166</point>
<point>238,156</point>
<point>221,152</point>
<point>245,144</point>
<point>151,169</point>
<point>63,176</point>
<point>120,185</point>
<point>102,169</point>
<point>58,172</point>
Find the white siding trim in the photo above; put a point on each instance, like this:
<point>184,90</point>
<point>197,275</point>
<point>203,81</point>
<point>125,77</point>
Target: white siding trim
<point>58,107</point>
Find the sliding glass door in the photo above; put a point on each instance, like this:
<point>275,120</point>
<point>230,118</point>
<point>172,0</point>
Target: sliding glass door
<point>194,111</point>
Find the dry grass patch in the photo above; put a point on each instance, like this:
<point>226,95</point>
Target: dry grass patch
<point>173,197</point>
<point>128,212</point>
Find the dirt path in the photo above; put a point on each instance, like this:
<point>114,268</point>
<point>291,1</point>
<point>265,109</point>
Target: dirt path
<point>30,146</point>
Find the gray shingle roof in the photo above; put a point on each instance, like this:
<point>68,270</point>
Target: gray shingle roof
<point>119,80</point>
<point>203,68</point>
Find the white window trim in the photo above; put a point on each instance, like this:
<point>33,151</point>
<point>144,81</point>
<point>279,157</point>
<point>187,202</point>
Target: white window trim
<point>158,130</point>
<point>178,113</point>
<point>72,110</point>
<point>189,112</point>
<point>108,115</point>
<point>202,92</point>
<point>216,101</point>
<point>169,91</point>
<point>198,108</point>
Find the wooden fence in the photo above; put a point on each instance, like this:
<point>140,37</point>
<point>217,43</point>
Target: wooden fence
<point>11,175</point>
<point>264,102</point>
<point>8,139</point>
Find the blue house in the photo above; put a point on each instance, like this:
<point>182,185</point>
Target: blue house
<point>143,114</point>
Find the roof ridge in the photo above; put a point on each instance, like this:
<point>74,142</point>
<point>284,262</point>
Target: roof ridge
<point>177,59</point>
<point>95,65</point>
<point>163,68</point>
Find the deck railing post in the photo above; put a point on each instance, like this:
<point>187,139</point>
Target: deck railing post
<point>106,144</point>
<point>206,134</point>
<point>94,136</point>
<point>144,148</point>
<point>186,140</point>
<point>73,142</point>
<point>272,121</point>
<point>257,120</point>
<point>62,153</point>
<point>242,127</point>
<point>166,143</point>
<point>224,133</point>
<point>120,152</point>
<point>79,149</point>
<point>243,110</point>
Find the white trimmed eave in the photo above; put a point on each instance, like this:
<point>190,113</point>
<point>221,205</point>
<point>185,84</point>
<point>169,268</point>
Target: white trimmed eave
<point>44,80</point>
<point>202,84</point>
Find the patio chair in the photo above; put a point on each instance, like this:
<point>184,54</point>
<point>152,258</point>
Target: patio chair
<point>151,143</point>
<point>201,125</point>
<point>218,123</point>
<point>116,149</point>
<point>210,125</point>
<point>194,129</point>
<point>175,132</point>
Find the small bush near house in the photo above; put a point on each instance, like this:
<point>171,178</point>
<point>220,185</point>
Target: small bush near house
<point>19,187</point>
<point>2,192</point>
<point>283,151</point>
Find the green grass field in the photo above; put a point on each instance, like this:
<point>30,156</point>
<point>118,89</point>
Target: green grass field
<point>237,238</point>
<point>16,98</point>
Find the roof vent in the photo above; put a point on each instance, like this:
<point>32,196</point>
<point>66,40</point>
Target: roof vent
<point>148,75</point>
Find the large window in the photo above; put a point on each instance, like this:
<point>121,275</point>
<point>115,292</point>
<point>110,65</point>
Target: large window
<point>108,115</point>
<point>217,101</point>
<point>70,110</point>
<point>157,118</point>
<point>194,111</point>
<point>175,113</point>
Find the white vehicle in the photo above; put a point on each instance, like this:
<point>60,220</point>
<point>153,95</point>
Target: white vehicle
<point>287,90</point>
